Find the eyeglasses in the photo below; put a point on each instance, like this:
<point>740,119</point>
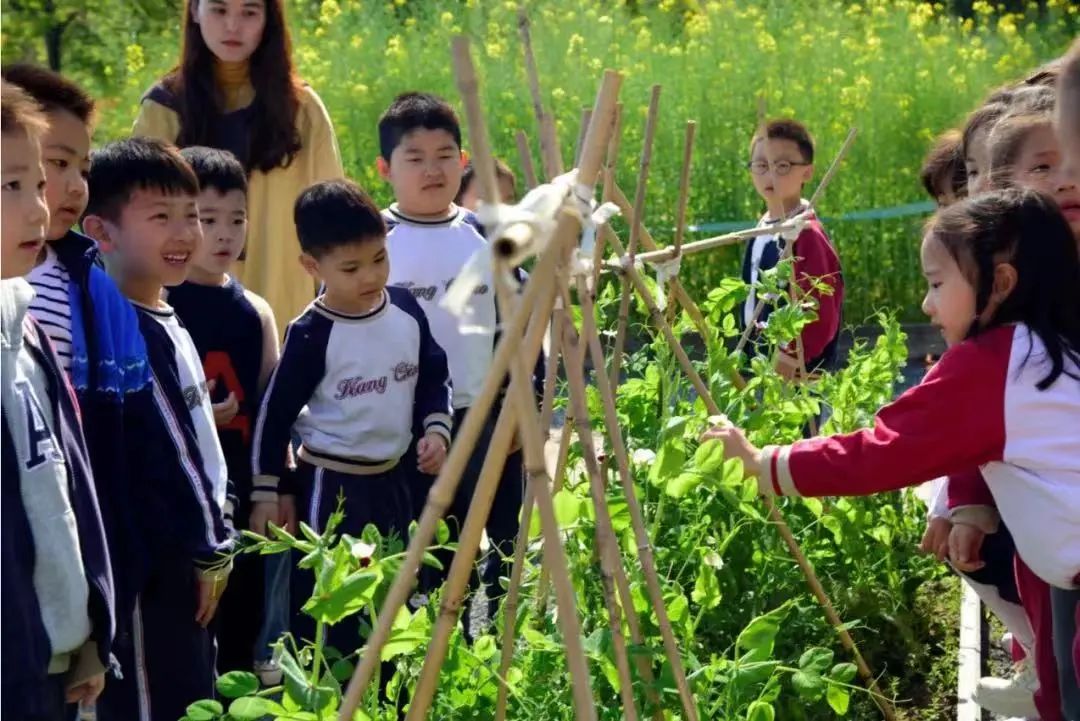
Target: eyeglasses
<point>780,167</point>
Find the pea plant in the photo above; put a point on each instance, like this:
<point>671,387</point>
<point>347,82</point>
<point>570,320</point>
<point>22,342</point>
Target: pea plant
<point>754,643</point>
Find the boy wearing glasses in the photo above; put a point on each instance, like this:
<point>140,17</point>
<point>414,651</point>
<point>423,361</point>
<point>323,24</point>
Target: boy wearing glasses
<point>781,164</point>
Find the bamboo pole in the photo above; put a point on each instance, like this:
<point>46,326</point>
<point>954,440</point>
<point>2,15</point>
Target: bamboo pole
<point>608,176</point>
<point>774,513</point>
<point>607,549</point>
<point>637,518</point>
<point>539,294</point>
<point>698,246</point>
<point>684,186</point>
<point>550,155</point>
<point>586,117</point>
<point>528,170</point>
<point>533,441</point>
<point>457,582</point>
<point>635,230</point>
<point>563,457</point>
<point>483,160</point>
<point>510,605</point>
<point>622,583</point>
<point>680,209</point>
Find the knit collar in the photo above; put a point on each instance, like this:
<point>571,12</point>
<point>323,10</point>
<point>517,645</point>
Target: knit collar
<point>234,81</point>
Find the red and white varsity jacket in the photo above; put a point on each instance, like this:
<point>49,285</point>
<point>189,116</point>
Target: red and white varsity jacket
<point>978,408</point>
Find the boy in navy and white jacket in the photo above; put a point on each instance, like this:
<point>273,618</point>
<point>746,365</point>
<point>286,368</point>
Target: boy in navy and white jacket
<point>56,601</point>
<point>358,372</point>
<point>142,213</point>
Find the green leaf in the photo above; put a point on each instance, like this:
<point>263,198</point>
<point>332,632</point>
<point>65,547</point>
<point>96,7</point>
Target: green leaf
<point>309,532</point>
<point>839,698</point>
<point>669,461</point>
<point>253,708</point>
<point>709,457</point>
<point>759,633</point>
<point>682,484</point>
<point>342,669</point>
<point>843,673</point>
<point>235,684</point>
<point>760,711</point>
<point>567,507</point>
<point>678,609</point>
<point>810,686</point>
<point>706,588</point>
<point>299,688</point>
<point>354,593</point>
<point>484,647</point>
<point>205,710</point>
<point>748,676</point>
<point>816,660</point>
<point>442,533</point>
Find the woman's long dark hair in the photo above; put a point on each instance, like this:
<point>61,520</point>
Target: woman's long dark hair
<point>274,138</point>
<point>1027,230</point>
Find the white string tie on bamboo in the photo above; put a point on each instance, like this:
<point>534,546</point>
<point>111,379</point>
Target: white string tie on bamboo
<point>666,270</point>
<point>591,222</point>
<point>537,212</point>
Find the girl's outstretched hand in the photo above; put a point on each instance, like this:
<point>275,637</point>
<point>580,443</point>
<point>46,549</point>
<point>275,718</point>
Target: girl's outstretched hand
<point>735,445</point>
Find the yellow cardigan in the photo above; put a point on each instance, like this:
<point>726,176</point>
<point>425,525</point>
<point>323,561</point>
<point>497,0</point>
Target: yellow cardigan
<point>272,268</point>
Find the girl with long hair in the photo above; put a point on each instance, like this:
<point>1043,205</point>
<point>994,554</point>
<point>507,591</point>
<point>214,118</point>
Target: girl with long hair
<point>235,88</point>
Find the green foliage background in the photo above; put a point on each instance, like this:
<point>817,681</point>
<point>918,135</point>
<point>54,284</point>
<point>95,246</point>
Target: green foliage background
<point>899,70</point>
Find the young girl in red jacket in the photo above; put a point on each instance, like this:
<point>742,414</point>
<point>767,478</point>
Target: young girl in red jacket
<point>1004,280</point>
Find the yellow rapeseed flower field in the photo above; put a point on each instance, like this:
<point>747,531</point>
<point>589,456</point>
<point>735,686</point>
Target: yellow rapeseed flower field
<point>899,70</point>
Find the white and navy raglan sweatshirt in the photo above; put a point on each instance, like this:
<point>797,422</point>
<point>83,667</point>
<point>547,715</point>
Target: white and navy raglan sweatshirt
<point>978,407</point>
<point>425,257</point>
<point>192,500</point>
<point>353,387</point>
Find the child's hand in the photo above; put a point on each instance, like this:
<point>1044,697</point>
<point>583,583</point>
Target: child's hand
<point>263,512</point>
<point>935,540</point>
<point>735,445</point>
<point>225,411</point>
<point>965,544</point>
<point>87,691</point>
<point>431,453</point>
<point>287,513</point>
<point>211,584</point>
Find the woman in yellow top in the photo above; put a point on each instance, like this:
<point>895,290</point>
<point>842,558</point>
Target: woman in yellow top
<point>235,89</point>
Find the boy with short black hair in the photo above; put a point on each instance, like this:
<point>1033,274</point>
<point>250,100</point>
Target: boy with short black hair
<point>358,372</point>
<point>430,239</point>
<point>781,164</point>
<point>57,608</point>
<point>942,173</point>
<point>237,339</point>
<point>142,213</point>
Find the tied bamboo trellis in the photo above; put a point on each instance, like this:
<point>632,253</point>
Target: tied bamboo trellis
<point>566,269</point>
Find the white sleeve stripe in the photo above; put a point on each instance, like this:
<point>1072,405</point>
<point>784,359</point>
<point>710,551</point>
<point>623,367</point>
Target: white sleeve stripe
<point>186,461</point>
<point>441,419</point>
<point>783,472</point>
<point>260,419</point>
